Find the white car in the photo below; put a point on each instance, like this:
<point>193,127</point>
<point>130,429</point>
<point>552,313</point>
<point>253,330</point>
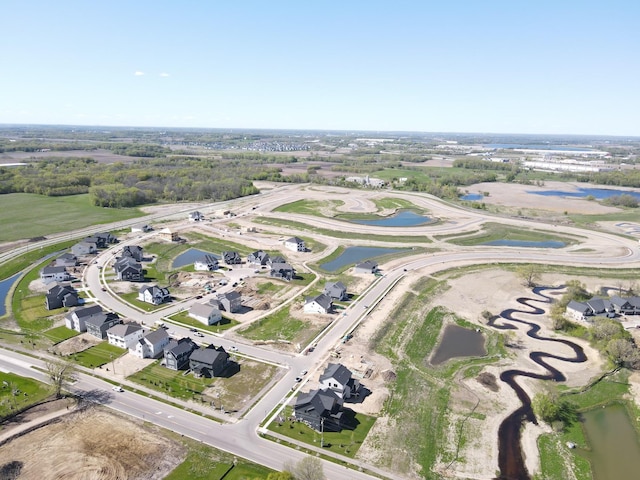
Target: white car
<point>117,388</point>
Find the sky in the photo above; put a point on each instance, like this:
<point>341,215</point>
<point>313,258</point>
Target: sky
<point>538,67</point>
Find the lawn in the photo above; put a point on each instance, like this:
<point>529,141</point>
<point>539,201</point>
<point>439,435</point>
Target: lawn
<point>277,326</point>
<point>18,392</point>
<point>98,355</point>
<point>26,215</point>
<point>59,334</point>
<point>347,442</point>
<point>310,207</point>
<point>132,298</point>
<point>183,317</point>
<point>496,231</point>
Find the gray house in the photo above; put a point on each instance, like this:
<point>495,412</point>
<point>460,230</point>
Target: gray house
<point>231,258</point>
<point>283,271</point>
<point>338,378</point>
<point>206,263</point>
<point>84,248</point>
<point>335,290</point>
<point>320,409</point>
<point>230,301</point>
<point>127,268</point>
<point>133,251</point>
<point>59,296</point>
<point>98,324</point>
<point>259,257</point>
<point>368,266</point>
<point>209,362</point>
<point>177,353</point>
<point>76,320</point>
<point>66,260</point>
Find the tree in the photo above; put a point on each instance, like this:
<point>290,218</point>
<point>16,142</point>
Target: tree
<point>309,468</point>
<point>529,273</point>
<point>545,406</point>
<point>280,476</point>
<point>623,352</point>
<point>60,374</point>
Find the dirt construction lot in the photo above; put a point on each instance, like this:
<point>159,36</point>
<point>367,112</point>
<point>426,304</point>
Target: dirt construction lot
<point>92,444</point>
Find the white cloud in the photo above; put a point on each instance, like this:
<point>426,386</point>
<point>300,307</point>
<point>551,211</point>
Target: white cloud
<point>139,74</point>
<point>163,74</point>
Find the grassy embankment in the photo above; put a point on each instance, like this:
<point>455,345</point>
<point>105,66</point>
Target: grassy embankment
<point>18,392</point>
<point>495,231</point>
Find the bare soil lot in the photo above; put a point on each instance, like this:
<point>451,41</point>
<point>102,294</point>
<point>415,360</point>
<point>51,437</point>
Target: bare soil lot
<point>93,444</point>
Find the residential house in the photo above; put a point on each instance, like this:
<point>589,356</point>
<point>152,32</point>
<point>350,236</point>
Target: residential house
<point>105,238</point>
<point>169,235</point>
<point>128,269</point>
<point>54,274</point>
<point>276,259</point>
<point>601,306</point>
<point>338,378</point>
<point>100,323</point>
<point>295,244</point>
<point>206,263</point>
<point>230,301</point>
<point>151,345</point>
<point>283,271</point>
<point>154,295</point>
<point>320,409</point>
<point>143,228</point>
<point>177,353</point>
<point>335,290</point>
<point>319,304</point>
<point>367,266</point>
<point>134,251</point>
<point>205,313</point>
<point>66,260</point>
<point>624,306</point>
<point>76,319</point>
<point>578,311</point>
<point>59,296</point>
<point>124,335</point>
<point>84,248</point>
<point>259,258</point>
<point>196,217</point>
<point>209,362</point>
<point>232,258</point>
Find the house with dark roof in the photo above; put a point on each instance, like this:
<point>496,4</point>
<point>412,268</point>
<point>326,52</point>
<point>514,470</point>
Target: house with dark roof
<point>154,294</point>
<point>59,296</point>
<point>98,324</point>
<point>104,238</point>
<point>134,251</point>
<point>230,301</point>
<point>259,258</point>
<point>295,244</point>
<point>231,258</point>
<point>335,290</point>
<point>76,319</point>
<point>127,268</point>
<point>600,306</point>
<point>626,306</point>
<point>319,304</point>
<point>124,335</point>
<point>151,345</point>
<point>283,271</point>
<point>205,313</point>
<point>84,248</point>
<point>209,362</point>
<point>66,260</point>
<point>368,266</point>
<point>276,259</point>
<point>54,274</point>
<point>338,378</point>
<point>206,263</point>
<point>196,216</point>
<point>320,409</point>
<point>177,353</point>
<point>578,311</point>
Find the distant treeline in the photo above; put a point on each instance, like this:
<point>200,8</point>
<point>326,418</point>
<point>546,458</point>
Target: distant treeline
<point>139,182</point>
<point>126,149</point>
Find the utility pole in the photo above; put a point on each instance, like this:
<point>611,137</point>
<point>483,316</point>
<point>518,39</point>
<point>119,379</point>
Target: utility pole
<point>321,432</point>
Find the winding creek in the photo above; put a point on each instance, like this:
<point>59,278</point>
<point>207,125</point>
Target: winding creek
<point>510,459</point>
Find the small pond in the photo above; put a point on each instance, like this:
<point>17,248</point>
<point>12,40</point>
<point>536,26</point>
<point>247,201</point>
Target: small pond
<point>190,256</point>
<point>597,193</point>
<point>472,197</point>
<point>356,255</point>
<point>404,218</point>
<point>5,286</point>
<point>458,341</point>
<point>614,447</point>
<point>526,243</point>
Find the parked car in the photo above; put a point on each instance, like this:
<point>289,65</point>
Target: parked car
<point>117,388</point>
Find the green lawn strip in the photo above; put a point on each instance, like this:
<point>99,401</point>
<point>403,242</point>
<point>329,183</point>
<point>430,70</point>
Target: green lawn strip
<point>232,393</point>
<point>18,392</point>
<point>27,215</point>
<point>215,245</point>
<point>277,326</point>
<point>97,355</point>
<point>208,463</point>
<point>28,309</point>
<point>165,254</point>
<point>290,224</point>
<point>269,287</point>
<point>346,442</point>
<point>310,207</point>
<point>27,259</point>
<point>496,231</point>
<point>132,298</point>
<point>59,334</point>
<point>225,324</point>
<point>630,215</point>
<point>396,203</point>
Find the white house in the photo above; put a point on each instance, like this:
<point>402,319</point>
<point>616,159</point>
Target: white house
<point>295,244</point>
<point>338,378</point>
<point>205,313</point>
<point>319,304</point>
<point>124,335</point>
<point>151,345</point>
<point>54,274</point>
<point>84,248</point>
<point>367,266</point>
<point>154,294</point>
<point>206,263</point>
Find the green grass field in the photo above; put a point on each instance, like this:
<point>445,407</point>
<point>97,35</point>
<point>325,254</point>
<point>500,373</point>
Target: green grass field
<point>59,334</point>
<point>98,355</point>
<point>26,215</point>
<point>225,324</point>
<point>18,392</point>
<point>496,231</point>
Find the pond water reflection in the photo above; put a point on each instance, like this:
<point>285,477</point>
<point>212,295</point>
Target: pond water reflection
<point>5,286</point>
<point>404,218</point>
<point>357,254</point>
<point>458,341</point>
<point>190,256</point>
